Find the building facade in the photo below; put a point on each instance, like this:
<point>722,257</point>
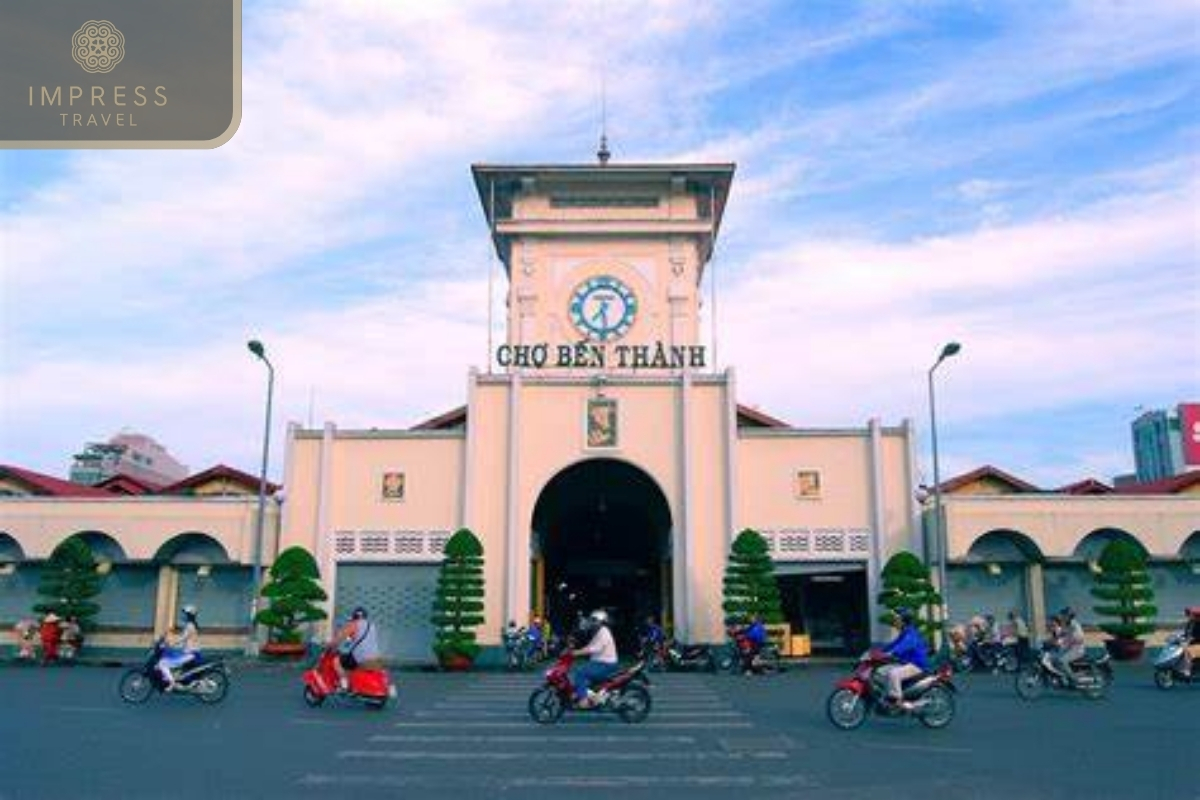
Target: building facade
<point>605,462</point>
<point>133,454</point>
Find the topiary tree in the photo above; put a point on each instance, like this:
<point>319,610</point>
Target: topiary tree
<point>1123,583</point>
<point>69,581</point>
<point>750,586</point>
<point>294,591</point>
<point>458,605</point>
<point>907,584</point>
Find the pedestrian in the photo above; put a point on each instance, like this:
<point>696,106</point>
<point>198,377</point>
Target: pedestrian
<point>1018,632</point>
<point>50,634</point>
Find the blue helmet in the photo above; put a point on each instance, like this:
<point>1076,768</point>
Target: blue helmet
<point>906,615</point>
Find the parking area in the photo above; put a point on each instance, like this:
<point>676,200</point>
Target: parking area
<point>66,734</point>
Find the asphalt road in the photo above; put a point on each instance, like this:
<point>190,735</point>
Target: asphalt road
<point>64,733</point>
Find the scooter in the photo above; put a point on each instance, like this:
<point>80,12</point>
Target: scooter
<point>1089,676</point>
<point>671,655</point>
<point>370,686</point>
<point>204,679</point>
<point>626,694</point>
<point>1169,662</point>
<point>733,656</point>
<point>931,695</point>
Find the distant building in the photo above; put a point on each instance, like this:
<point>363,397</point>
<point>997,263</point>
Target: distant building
<point>134,455</point>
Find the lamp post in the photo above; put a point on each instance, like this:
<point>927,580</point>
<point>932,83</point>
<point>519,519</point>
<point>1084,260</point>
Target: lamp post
<point>256,347</point>
<point>939,531</point>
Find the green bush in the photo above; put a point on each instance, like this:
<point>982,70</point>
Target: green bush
<point>1124,586</point>
<point>458,605</point>
<point>750,586</point>
<point>294,590</point>
<point>69,581</point>
<point>907,584</point>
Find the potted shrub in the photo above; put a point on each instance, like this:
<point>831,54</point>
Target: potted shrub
<point>907,584</point>
<point>69,581</point>
<point>458,605</point>
<point>293,592</point>
<point>750,586</point>
<point>1123,584</point>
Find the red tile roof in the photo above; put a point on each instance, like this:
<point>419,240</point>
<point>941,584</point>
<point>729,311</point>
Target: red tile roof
<point>128,485</point>
<point>1173,485</point>
<point>48,485</point>
<point>1086,486</point>
<point>753,418</point>
<point>455,418</point>
<point>219,472</point>
<point>988,471</point>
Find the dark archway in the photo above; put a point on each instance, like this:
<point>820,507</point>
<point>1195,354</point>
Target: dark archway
<point>601,539</point>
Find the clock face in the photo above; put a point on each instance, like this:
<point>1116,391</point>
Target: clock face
<point>603,308</point>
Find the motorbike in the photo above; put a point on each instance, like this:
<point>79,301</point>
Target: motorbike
<point>206,680</point>
<point>626,694</point>
<point>1089,676</point>
<point>521,649</point>
<point>931,695</point>
<point>367,685</point>
<point>764,662</point>
<point>671,655</point>
<point>993,657</point>
<point>1169,662</point>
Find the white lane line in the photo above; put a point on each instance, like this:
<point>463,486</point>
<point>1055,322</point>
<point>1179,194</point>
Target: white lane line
<point>606,784</point>
<point>920,748</point>
<point>517,710</point>
<point>87,710</point>
<point>588,755</point>
<point>315,721</point>
<point>586,738</point>
<point>528,724</point>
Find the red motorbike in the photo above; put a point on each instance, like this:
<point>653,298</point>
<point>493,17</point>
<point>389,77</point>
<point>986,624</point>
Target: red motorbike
<point>624,694</point>
<point>371,686</point>
<point>931,695</point>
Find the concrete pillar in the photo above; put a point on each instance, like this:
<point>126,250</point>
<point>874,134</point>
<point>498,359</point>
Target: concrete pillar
<point>325,556</point>
<point>512,601</point>
<point>681,556</point>
<point>874,558</point>
<point>165,599</point>
<point>1035,594</point>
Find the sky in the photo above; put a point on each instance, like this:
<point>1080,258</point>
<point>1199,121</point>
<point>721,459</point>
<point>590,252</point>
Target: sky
<point>1018,177</point>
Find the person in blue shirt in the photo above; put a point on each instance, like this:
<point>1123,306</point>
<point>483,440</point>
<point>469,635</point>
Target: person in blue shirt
<point>756,636</point>
<point>910,651</point>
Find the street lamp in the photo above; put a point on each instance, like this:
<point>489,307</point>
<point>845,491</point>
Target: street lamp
<point>256,347</point>
<point>951,349</point>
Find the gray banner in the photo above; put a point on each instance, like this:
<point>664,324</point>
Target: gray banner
<point>119,73</point>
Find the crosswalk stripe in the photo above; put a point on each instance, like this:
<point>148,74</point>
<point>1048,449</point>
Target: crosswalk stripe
<point>578,782</point>
<point>521,738</point>
<point>517,711</point>
<point>587,755</point>
<point>578,721</point>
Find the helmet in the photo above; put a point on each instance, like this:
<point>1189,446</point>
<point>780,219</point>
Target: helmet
<point>359,613</point>
<point>1066,613</point>
<point>905,615</point>
<point>599,616</point>
<point>188,611</point>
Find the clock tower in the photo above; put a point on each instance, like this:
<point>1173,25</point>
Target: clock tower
<point>604,263</point>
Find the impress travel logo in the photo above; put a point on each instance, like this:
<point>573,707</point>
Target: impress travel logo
<point>129,74</point>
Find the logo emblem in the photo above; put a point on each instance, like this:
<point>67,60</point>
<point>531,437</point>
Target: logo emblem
<point>98,46</point>
<point>603,308</point>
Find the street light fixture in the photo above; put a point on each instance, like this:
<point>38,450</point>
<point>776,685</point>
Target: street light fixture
<point>949,350</point>
<point>256,347</point>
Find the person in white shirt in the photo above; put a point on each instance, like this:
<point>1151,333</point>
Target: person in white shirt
<point>602,659</point>
<point>183,645</point>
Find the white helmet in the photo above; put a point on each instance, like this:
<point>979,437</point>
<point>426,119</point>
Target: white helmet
<point>600,616</point>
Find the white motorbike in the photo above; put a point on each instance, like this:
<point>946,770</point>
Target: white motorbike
<point>1168,665</point>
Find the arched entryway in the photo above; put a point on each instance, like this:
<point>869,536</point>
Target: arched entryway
<point>601,539</point>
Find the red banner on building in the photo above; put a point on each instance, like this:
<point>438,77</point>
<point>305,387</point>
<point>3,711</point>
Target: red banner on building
<point>1189,429</point>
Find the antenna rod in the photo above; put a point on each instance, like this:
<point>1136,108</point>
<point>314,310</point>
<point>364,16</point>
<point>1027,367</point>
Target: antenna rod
<point>491,268</point>
<point>603,154</point>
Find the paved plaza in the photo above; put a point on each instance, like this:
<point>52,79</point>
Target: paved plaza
<point>66,734</point>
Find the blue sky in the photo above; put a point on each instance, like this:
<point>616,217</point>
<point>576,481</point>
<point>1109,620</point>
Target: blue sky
<point>1019,177</point>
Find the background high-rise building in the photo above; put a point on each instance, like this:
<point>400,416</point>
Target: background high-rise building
<point>128,453</point>
<point>1158,443</point>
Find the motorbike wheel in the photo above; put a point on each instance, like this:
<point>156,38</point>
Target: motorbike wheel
<point>939,708</point>
<point>1164,678</point>
<point>545,706</point>
<point>311,698</point>
<point>135,687</point>
<point>1029,684</point>
<point>1009,663</point>
<point>846,709</point>
<point>768,662</point>
<point>213,687</point>
<point>1097,689</point>
<point>634,704</point>
<point>377,703</point>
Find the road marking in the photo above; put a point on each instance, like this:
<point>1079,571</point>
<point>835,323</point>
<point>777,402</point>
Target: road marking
<point>88,709</point>
<point>315,721</point>
<point>581,722</point>
<point>589,755</point>
<point>519,738</point>
<point>923,748</point>
<point>517,712</point>
<point>564,782</point>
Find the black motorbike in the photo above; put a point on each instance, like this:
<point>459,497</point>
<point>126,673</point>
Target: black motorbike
<point>992,657</point>
<point>673,656</point>
<point>1090,677</point>
<point>206,680</point>
<point>1168,666</point>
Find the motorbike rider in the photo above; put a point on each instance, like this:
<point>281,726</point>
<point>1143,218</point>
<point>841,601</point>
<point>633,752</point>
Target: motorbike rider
<point>755,636</point>
<point>653,636</point>
<point>1191,641</point>
<point>601,651</point>
<point>182,647</point>
<point>910,650</point>
<point>357,643</point>
<point>1069,645</point>
<point>1017,635</point>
